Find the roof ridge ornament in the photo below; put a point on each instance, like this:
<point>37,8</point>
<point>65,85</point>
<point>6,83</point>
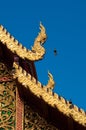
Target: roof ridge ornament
<point>40,40</point>
<point>51,83</point>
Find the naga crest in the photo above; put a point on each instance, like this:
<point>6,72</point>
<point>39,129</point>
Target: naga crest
<point>41,38</point>
<point>42,34</point>
<point>39,41</point>
<point>51,82</point>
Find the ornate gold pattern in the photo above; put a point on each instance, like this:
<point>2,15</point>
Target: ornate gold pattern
<point>37,51</point>
<point>33,121</point>
<point>51,98</point>
<point>7,101</point>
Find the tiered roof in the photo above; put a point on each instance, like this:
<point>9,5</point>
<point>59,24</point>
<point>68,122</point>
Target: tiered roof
<point>30,83</point>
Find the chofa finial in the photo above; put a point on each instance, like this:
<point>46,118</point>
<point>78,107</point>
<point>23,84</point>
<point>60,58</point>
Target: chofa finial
<point>39,41</point>
<point>51,82</point>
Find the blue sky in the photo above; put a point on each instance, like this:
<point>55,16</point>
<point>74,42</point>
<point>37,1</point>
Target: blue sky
<point>65,23</point>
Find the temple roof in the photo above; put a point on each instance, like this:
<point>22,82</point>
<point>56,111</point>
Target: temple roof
<point>30,83</point>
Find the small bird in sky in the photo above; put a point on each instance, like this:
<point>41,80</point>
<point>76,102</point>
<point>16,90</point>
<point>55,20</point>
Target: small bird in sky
<point>55,52</point>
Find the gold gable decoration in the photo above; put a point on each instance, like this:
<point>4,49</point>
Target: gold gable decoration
<point>37,51</point>
<point>7,100</point>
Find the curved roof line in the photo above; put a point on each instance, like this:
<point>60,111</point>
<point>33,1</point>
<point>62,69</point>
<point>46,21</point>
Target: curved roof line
<point>37,51</point>
<point>51,98</point>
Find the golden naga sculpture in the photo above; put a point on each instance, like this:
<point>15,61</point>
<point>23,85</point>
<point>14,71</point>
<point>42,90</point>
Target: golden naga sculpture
<point>37,51</point>
<point>51,82</point>
<point>41,38</point>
